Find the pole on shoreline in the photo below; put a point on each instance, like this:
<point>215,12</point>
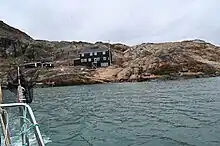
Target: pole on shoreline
<point>109,50</point>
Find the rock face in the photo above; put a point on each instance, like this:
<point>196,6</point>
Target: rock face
<point>9,32</point>
<point>188,58</point>
<point>194,58</point>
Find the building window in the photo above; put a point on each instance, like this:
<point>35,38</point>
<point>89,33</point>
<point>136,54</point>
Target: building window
<point>91,54</point>
<point>89,59</point>
<point>104,64</point>
<point>104,58</point>
<point>95,53</point>
<point>98,59</point>
<point>104,53</point>
<point>95,60</point>
<point>85,60</point>
<point>82,54</point>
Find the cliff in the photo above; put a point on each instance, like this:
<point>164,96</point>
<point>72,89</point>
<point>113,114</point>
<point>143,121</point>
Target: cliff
<point>171,60</point>
<point>194,58</point>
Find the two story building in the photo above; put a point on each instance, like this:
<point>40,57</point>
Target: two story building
<point>94,57</point>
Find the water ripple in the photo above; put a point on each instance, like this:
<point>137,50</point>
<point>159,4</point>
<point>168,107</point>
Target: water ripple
<point>172,113</point>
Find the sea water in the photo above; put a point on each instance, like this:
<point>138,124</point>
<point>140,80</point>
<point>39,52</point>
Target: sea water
<point>159,113</point>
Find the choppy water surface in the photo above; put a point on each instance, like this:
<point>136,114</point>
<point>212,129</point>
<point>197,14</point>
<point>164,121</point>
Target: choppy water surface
<point>171,113</point>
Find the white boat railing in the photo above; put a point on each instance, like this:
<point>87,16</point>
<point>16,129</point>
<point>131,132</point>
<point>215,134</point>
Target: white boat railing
<point>32,119</point>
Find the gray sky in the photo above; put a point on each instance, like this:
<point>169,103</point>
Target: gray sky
<point>126,21</point>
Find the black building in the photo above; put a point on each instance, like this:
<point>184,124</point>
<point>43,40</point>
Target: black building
<point>38,65</point>
<point>95,57</point>
<point>32,65</point>
<point>47,65</point>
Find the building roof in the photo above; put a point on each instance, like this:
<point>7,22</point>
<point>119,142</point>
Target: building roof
<point>93,49</point>
<point>29,63</point>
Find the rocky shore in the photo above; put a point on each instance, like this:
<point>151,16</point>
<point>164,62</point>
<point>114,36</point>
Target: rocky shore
<point>143,62</point>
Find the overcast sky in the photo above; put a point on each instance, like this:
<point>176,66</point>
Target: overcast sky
<point>126,21</point>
